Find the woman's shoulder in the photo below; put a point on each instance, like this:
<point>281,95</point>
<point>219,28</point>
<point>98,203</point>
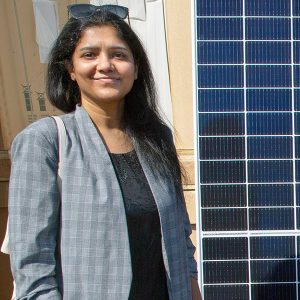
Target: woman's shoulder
<point>42,133</point>
<point>41,126</point>
<point>45,127</point>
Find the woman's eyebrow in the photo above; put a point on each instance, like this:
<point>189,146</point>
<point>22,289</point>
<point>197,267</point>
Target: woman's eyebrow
<point>119,47</point>
<point>113,47</point>
<point>89,48</point>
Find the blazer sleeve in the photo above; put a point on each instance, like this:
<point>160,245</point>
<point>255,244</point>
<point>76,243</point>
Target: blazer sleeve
<point>34,202</point>
<point>189,244</point>
<point>186,222</point>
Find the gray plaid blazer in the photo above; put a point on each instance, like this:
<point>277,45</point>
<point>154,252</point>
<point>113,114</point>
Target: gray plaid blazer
<point>77,247</point>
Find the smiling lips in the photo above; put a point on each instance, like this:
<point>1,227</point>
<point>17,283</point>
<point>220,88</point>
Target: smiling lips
<point>107,79</point>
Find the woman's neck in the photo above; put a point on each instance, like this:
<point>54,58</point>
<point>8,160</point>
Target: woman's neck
<point>105,116</point>
<point>108,120</point>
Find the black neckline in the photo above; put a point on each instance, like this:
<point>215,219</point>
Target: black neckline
<point>122,154</point>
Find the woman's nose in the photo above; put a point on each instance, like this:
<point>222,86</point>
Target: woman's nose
<point>104,63</point>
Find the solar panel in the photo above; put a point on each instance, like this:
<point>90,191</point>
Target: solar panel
<point>248,148</point>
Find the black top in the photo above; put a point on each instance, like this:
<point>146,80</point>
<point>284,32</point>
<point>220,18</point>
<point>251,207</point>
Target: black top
<point>149,275</point>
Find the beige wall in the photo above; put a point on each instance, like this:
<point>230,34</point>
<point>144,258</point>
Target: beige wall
<point>178,17</point>
<point>19,65</point>
<point>179,39</point>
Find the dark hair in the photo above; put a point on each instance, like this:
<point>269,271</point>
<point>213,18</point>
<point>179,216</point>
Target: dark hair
<point>141,118</point>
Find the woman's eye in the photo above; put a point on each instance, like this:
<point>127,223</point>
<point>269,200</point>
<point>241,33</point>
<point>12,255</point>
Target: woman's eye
<point>88,55</point>
<point>119,55</point>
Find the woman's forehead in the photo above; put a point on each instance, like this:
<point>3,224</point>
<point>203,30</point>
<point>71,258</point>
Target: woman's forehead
<point>102,33</point>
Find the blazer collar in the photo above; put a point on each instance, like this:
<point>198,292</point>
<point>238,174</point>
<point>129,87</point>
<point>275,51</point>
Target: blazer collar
<point>92,141</point>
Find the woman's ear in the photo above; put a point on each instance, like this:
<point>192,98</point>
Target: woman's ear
<point>72,75</point>
<point>70,69</point>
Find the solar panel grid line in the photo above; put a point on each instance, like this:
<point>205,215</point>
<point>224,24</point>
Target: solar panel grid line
<point>247,113</point>
<point>242,64</point>
<point>262,233</point>
<point>239,41</point>
<point>252,88</point>
<point>274,283</point>
<point>239,183</point>
<point>251,260</point>
<point>199,253</point>
<point>254,234</point>
<point>253,283</point>
<point>294,141</point>
<point>250,207</point>
<point>248,16</point>
<point>249,159</point>
<point>271,259</point>
<point>242,136</point>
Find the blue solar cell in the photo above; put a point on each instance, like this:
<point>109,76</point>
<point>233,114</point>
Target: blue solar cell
<point>221,124</point>
<point>220,52</point>
<point>229,219</point>
<point>267,8</point>
<point>271,218</point>
<point>298,247</point>
<point>273,270</point>
<point>269,123</point>
<point>297,76</point>
<point>270,195</point>
<point>272,247</point>
<point>223,195</point>
<point>226,272</point>
<point>220,8</point>
<point>298,218</point>
<point>225,248</point>
<point>297,99</point>
<point>221,100</point>
<point>220,29</point>
<point>296,29</point>
<point>222,148</point>
<point>268,76</point>
<point>268,52</point>
<point>297,123</point>
<point>220,76</point>
<point>298,202</point>
<point>270,171</point>
<point>226,292</point>
<point>297,52</point>
<point>222,171</point>
<point>268,29</point>
<point>296,8</point>
<point>274,291</point>
<point>269,99</point>
<point>270,147</point>
<point>297,146</point>
<point>297,166</point>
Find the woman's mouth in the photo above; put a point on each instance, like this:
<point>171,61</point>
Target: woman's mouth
<point>107,79</point>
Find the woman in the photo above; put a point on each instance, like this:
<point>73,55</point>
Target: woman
<point>119,229</point>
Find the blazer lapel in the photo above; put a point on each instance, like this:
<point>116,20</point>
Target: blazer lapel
<point>163,195</point>
<point>92,141</point>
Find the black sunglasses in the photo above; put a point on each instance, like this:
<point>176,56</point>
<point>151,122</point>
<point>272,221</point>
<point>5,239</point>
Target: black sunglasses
<point>79,11</point>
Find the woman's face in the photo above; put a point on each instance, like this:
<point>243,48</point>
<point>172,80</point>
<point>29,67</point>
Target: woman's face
<point>103,66</point>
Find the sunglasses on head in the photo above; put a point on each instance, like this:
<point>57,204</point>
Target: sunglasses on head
<point>79,11</point>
